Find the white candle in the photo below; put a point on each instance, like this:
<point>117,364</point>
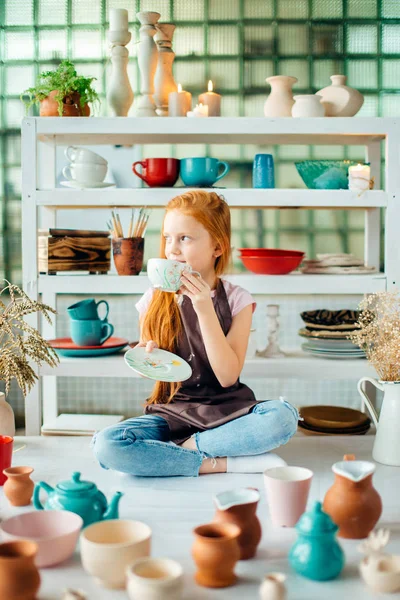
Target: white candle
<point>179,103</point>
<point>359,178</point>
<point>118,19</point>
<point>212,100</point>
<point>198,111</point>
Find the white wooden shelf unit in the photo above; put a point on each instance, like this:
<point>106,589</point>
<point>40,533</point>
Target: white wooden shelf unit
<point>40,138</point>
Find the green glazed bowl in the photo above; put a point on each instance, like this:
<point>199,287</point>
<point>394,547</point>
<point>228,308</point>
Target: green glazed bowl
<point>325,174</point>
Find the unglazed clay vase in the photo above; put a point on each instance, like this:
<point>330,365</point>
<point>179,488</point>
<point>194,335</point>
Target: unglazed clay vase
<point>352,501</point>
<point>19,578</point>
<point>128,255</point>
<point>216,552</point>
<point>239,507</point>
<point>280,101</point>
<point>18,488</point>
<point>49,107</point>
<point>273,587</point>
<point>308,105</point>
<point>339,99</point>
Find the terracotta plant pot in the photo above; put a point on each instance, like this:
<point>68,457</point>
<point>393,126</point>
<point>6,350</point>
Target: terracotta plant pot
<point>19,578</point>
<point>71,106</point>
<point>18,488</point>
<point>216,552</point>
<point>128,255</point>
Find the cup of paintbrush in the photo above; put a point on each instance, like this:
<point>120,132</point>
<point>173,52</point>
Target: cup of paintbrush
<point>128,255</point>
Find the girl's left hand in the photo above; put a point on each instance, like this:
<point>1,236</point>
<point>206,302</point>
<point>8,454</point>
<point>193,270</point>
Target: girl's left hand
<point>197,289</point>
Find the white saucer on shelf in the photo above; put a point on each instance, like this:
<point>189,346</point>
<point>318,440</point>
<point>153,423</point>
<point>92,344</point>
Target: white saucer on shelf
<point>81,186</point>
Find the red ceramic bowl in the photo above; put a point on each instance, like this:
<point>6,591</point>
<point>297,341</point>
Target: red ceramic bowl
<point>269,252</point>
<point>272,265</point>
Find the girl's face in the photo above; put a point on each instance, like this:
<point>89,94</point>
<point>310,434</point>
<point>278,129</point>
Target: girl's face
<point>187,240</point>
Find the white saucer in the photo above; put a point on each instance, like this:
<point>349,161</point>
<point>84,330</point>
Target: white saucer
<point>81,186</point>
<point>158,365</point>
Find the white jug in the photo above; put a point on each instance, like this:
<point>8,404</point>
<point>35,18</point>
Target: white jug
<point>273,587</point>
<point>386,448</point>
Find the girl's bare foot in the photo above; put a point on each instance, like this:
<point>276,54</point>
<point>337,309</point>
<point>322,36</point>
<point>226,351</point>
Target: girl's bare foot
<point>209,465</point>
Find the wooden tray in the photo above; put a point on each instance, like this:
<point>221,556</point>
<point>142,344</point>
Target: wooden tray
<point>333,417</point>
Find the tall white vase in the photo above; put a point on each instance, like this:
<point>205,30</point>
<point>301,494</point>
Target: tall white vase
<point>120,94</point>
<point>164,81</point>
<point>280,101</point>
<point>147,59</point>
<point>7,420</point>
<point>272,350</point>
<point>339,99</point>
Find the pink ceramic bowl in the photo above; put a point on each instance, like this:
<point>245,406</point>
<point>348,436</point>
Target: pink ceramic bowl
<point>54,531</point>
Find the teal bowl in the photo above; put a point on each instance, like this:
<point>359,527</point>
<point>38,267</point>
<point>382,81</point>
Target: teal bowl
<point>325,174</point>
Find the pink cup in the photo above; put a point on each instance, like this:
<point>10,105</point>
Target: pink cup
<point>287,493</point>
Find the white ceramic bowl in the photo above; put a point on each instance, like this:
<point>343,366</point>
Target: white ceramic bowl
<point>54,531</point>
<point>155,579</point>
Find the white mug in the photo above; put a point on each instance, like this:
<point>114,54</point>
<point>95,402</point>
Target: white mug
<point>86,173</point>
<point>82,155</point>
<point>165,274</point>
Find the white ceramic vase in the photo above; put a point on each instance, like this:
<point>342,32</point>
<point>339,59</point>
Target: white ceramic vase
<point>119,94</point>
<point>7,420</point>
<point>147,60</point>
<point>339,99</point>
<point>164,82</point>
<point>280,101</point>
<point>308,105</point>
<point>273,587</point>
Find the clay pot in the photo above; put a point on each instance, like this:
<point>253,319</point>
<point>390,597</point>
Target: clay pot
<point>18,488</point>
<point>19,578</point>
<point>239,507</point>
<point>352,501</point>
<point>128,255</point>
<point>216,552</point>
<point>71,106</point>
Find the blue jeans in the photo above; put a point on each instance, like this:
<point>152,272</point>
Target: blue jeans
<point>141,446</point>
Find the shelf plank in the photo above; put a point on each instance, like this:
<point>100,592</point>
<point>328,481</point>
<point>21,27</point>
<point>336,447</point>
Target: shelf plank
<point>292,284</point>
<point>297,363</point>
<point>236,198</point>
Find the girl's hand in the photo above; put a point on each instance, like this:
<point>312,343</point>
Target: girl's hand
<point>198,291</point>
<point>150,345</point>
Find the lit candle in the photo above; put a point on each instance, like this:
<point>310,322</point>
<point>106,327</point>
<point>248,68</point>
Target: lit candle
<point>179,103</point>
<point>359,178</point>
<point>118,19</point>
<point>198,111</point>
<point>212,100</point>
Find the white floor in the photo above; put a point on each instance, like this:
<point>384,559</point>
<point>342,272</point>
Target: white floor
<point>173,506</point>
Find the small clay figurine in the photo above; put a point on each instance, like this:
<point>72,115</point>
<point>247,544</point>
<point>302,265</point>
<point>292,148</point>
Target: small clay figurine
<point>380,571</point>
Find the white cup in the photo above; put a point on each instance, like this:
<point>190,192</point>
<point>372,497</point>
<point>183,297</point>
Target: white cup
<point>165,274</point>
<point>86,173</point>
<point>155,579</point>
<point>82,155</point>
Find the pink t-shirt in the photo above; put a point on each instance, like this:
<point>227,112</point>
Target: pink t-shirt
<point>238,298</point>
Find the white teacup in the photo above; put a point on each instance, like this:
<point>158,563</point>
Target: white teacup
<point>165,274</point>
<point>155,579</point>
<point>78,155</point>
<point>86,173</point>
<point>108,547</point>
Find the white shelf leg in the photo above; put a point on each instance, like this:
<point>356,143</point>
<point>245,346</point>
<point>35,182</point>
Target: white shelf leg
<point>49,382</point>
<point>372,220</point>
<point>392,181</point>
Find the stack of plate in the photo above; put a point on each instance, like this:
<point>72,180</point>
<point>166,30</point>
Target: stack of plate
<point>66,347</point>
<point>336,264</point>
<point>326,332</point>
<point>333,420</point>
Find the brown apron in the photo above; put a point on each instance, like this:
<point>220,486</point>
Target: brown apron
<point>202,403</point>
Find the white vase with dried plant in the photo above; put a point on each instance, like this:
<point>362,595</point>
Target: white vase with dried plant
<point>164,82</point>
<point>7,419</point>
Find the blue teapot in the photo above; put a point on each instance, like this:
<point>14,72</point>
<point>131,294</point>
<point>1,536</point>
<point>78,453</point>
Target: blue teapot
<point>80,497</point>
<point>316,554</point>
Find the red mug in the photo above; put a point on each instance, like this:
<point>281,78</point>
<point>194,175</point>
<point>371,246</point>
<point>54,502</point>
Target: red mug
<point>158,172</point>
<point>6,448</point>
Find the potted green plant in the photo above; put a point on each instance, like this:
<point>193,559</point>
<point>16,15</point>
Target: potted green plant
<point>61,93</point>
<point>20,346</point>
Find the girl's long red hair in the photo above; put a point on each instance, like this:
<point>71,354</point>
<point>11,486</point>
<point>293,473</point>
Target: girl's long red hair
<point>162,322</point>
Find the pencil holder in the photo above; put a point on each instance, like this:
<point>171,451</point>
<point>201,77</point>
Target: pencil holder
<point>128,255</point>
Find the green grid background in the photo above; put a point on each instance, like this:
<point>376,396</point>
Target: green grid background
<point>237,44</point>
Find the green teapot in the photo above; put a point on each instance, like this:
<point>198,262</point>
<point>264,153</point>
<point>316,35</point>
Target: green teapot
<point>80,497</point>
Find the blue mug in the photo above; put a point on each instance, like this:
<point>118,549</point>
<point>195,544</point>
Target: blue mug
<point>87,309</point>
<point>90,332</point>
<point>263,171</point>
<point>202,171</point>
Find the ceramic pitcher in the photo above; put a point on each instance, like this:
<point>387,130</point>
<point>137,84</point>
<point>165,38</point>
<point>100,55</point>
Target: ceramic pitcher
<point>352,501</point>
<point>386,448</point>
<point>239,507</point>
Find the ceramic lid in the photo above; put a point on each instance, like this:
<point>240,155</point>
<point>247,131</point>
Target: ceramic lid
<point>316,521</point>
<point>75,485</point>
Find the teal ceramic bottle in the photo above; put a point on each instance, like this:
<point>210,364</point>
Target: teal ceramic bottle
<point>316,554</point>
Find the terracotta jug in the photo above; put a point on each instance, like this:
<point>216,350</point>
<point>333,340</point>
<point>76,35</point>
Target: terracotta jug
<point>216,552</point>
<point>19,578</point>
<point>18,488</point>
<point>352,501</point>
<point>239,507</point>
